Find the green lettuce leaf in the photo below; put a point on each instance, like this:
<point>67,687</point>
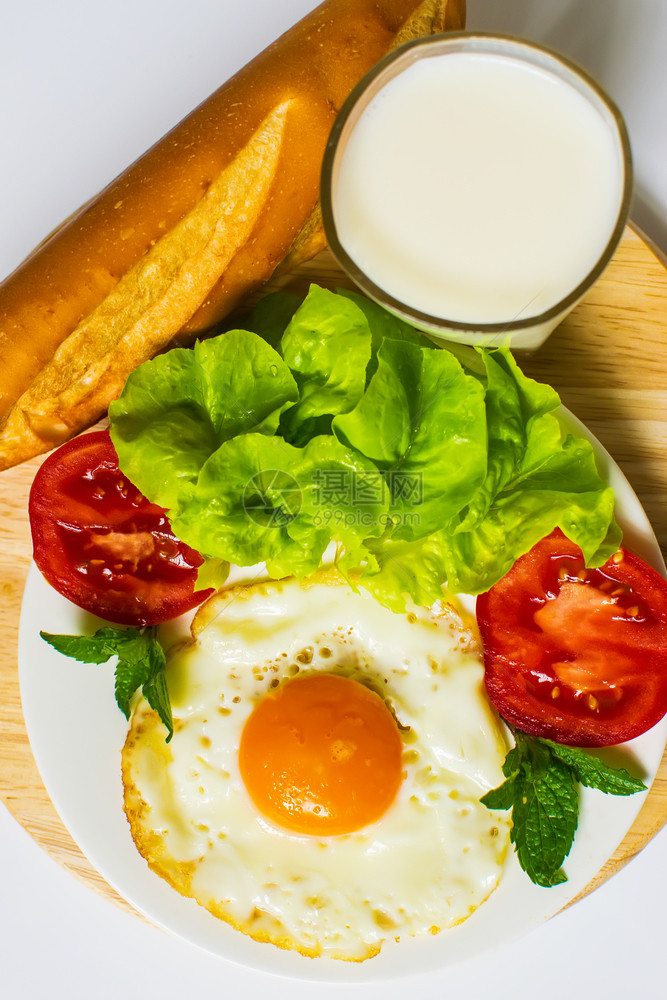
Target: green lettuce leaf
<point>272,315</point>
<point>398,570</point>
<point>259,498</point>
<point>520,425</point>
<point>471,562</point>
<point>525,512</point>
<point>428,466</point>
<point>384,326</point>
<point>422,421</point>
<point>538,477</point>
<point>327,346</point>
<point>177,409</point>
<point>212,573</point>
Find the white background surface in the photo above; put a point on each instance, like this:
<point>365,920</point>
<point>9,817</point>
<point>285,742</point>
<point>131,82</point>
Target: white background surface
<point>85,87</point>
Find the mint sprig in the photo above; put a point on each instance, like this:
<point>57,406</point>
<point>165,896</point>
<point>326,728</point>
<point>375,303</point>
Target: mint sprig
<point>141,663</point>
<point>594,773</point>
<point>541,790</point>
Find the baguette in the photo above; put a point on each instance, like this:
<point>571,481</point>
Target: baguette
<point>185,233</point>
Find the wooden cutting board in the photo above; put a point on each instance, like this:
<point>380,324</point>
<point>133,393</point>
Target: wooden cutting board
<point>608,361</point>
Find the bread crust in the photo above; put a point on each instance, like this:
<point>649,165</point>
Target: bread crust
<point>312,68</point>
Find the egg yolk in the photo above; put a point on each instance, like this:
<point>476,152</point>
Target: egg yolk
<point>321,755</point>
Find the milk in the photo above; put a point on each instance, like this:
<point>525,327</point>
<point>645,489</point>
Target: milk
<point>478,187</point>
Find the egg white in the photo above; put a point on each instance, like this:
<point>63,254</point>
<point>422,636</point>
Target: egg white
<point>427,864</point>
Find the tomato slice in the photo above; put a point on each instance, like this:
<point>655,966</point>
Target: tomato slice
<point>573,654</point>
<point>101,544</point>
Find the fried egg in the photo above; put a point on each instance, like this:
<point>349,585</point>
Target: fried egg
<point>321,790</point>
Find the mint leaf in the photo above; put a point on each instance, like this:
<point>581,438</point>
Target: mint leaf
<point>544,820</point>
<point>512,765</point>
<point>97,648</point>
<point>138,663</point>
<point>501,798</point>
<point>541,791</point>
<point>141,664</point>
<point>156,693</point>
<point>594,773</point>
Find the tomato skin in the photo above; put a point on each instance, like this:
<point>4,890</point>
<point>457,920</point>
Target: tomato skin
<point>102,545</point>
<point>576,655</point>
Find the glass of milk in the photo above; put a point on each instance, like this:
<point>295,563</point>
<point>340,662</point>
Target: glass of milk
<point>477,186</point>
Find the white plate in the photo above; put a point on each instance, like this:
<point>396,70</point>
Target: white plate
<point>77,732</point>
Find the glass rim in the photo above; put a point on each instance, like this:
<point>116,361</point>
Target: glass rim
<point>386,69</point>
